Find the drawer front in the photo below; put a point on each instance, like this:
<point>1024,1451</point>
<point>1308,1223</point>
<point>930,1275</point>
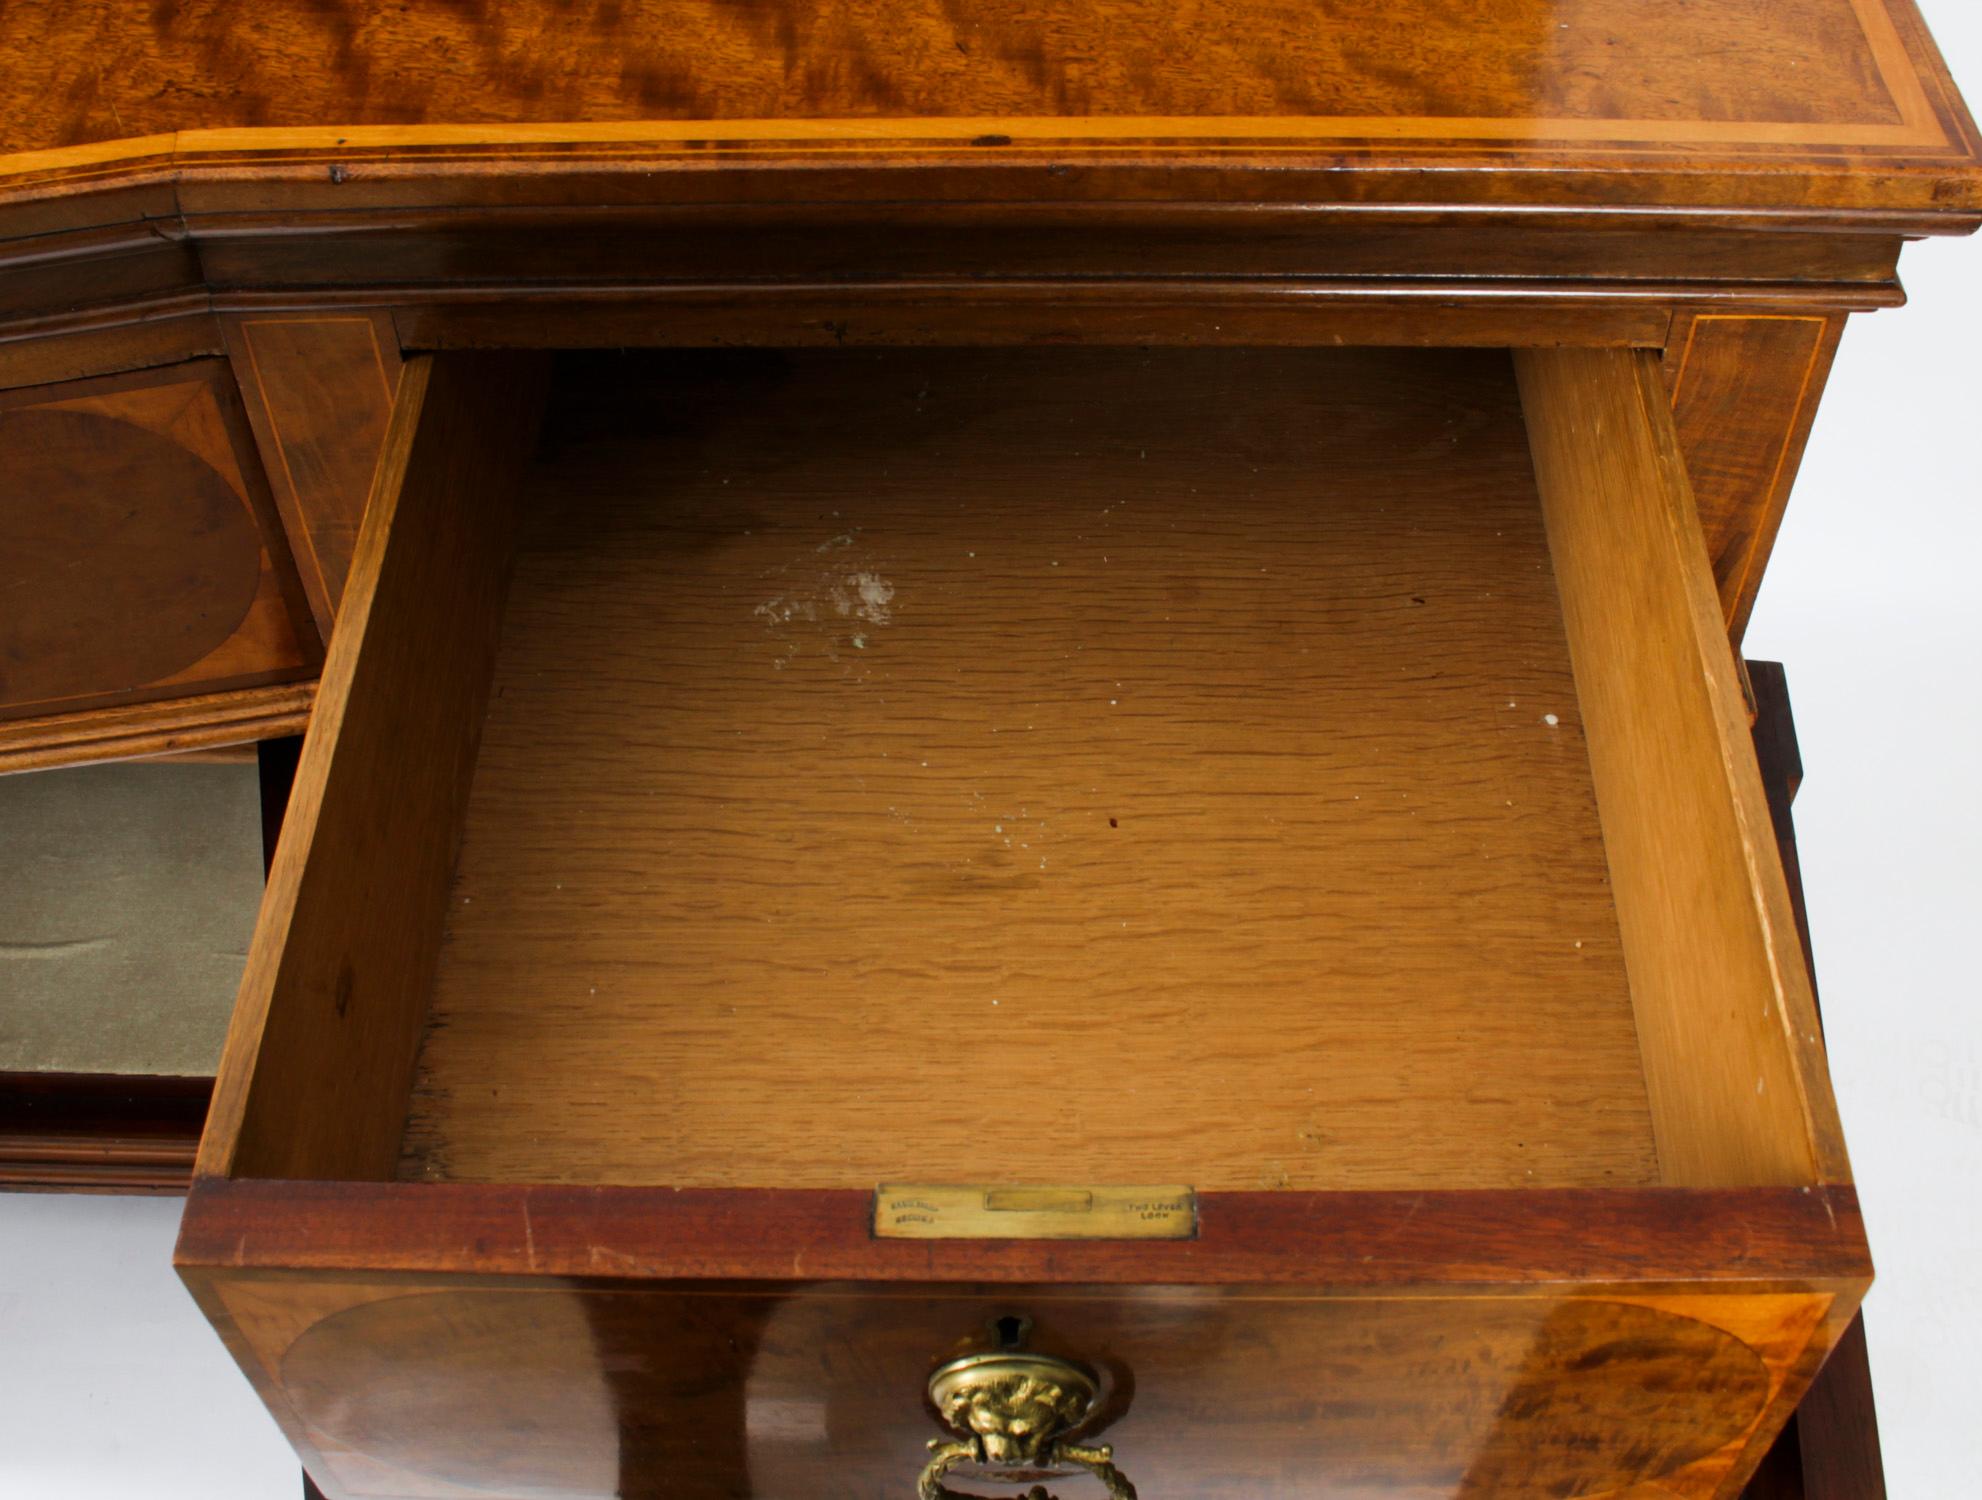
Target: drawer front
<point>430,1390</point>
<point>569,1342</point>
<point>145,563</point>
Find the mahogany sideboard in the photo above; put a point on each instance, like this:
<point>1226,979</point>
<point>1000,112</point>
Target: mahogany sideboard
<point>1024,757</point>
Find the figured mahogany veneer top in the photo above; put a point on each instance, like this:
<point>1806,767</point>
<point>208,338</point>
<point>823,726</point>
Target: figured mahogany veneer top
<point>1769,104</point>
<point>1172,761</point>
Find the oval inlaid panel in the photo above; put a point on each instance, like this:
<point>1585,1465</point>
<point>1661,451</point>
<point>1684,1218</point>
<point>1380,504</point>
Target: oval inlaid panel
<point>543,1393</point>
<point>123,557</point>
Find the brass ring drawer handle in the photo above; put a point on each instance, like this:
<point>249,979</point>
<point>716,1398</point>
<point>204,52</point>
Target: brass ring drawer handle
<point>1013,1414</point>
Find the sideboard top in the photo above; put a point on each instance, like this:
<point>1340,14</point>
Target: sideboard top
<point>1812,108</point>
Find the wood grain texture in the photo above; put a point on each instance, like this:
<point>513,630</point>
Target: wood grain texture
<point>522,254</point>
<point>701,61</point>
<point>76,348</point>
<point>1708,931</point>
<point>1057,313</point>
<point>577,1394</point>
<point>1800,74</point>
<point>1849,91</point>
<point>869,729</point>
<point>318,391</point>
<point>1837,1427</point>
<point>1780,760</point>
<point>1745,389</point>
<point>99,1133</point>
<point>638,1363</point>
<point>103,516</point>
<point>287,1266</point>
<point>1830,1450</point>
<point>115,265</point>
<point>416,1338</point>
<point>142,559</point>
<point>313,1077</point>
<point>1539,171</point>
<point>1643,1237</point>
<point>166,727</point>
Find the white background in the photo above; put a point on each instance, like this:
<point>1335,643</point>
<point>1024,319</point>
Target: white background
<point>111,1385</point>
<point>1873,601</point>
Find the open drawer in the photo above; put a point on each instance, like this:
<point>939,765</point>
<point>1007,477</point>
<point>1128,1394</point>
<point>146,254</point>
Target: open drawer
<point>1238,871</point>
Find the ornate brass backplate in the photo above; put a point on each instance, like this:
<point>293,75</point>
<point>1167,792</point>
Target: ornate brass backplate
<point>1014,1414</point>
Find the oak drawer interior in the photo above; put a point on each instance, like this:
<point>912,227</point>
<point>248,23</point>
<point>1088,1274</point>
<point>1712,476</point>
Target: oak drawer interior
<point>1228,767</point>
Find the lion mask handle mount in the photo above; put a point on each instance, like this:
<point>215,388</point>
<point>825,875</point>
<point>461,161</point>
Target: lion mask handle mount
<point>1013,1414</point>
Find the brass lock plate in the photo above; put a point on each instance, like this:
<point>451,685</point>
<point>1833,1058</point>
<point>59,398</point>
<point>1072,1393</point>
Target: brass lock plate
<point>920,1211</point>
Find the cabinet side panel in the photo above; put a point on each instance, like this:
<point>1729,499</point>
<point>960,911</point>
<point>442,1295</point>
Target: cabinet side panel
<point>1726,1022</point>
<point>1830,1450</point>
<point>314,1076</point>
<point>1745,389</point>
